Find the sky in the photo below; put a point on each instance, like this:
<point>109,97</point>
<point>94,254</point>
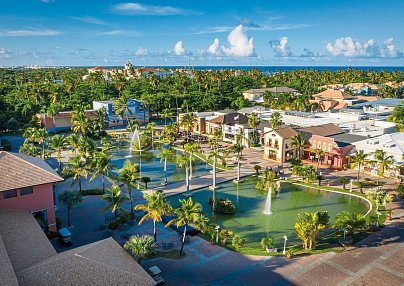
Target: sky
<point>202,33</point>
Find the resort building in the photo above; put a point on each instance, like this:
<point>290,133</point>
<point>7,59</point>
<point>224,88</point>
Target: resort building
<point>227,124</point>
<point>276,144</point>
<point>202,118</point>
<point>28,258</point>
<point>363,88</point>
<point>26,183</point>
<point>106,72</point>
<point>59,122</point>
<point>136,110</point>
<point>257,95</point>
<point>333,99</point>
<point>392,144</point>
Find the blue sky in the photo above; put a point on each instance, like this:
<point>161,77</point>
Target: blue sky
<point>89,32</point>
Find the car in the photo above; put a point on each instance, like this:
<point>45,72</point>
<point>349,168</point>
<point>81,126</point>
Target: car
<point>155,272</point>
<point>65,236</point>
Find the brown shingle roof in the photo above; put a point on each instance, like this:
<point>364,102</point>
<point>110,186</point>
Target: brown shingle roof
<point>230,119</point>
<point>19,171</point>
<point>325,130</point>
<point>333,94</point>
<point>286,132</point>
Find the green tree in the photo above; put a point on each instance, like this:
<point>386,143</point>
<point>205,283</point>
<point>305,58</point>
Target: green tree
<point>350,222</point>
<point>383,161</point>
<point>101,165</point>
<point>188,212</point>
<point>77,168</point>
<point>237,242</point>
<point>58,143</point>
<point>343,181</point>
<point>358,160</point>
<point>145,180</point>
<point>156,207</point>
<point>73,141</point>
<point>129,175</point>
<point>191,149</point>
<point>309,225</point>
<point>70,200</point>
<point>164,155</point>
<point>140,246</point>
<point>182,163</point>
<point>115,199</point>
<point>299,143</point>
<point>275,120</point>
<point>254,121</point>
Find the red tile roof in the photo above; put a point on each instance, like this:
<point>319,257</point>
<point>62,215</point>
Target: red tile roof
<point>19,171</point>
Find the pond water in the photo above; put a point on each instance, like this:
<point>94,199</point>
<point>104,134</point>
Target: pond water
<point>151,166</point>
<point>249,220</point>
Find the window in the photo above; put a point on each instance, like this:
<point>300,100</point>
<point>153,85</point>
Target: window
<point>330,147</point>
<point>319,145</point>
<point>314,144</point>
<point>9,194</point>
<point>324,146</point>
<point>26,191</point>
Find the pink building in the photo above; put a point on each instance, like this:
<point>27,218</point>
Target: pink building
<point>26,183</point>
<point>335,152</point>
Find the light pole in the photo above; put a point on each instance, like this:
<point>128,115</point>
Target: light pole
<point>345,231</point>
<point>350,186</point>
<point>217,233</point>
<point>378,215</point>
<point>284,244</point>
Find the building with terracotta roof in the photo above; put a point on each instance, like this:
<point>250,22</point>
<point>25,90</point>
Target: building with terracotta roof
<point>28,258</point>
<point>333,99</point>
<point>26,183</point>
<point>256,94</point>
<point>60,121</point>
<point>276,144</point>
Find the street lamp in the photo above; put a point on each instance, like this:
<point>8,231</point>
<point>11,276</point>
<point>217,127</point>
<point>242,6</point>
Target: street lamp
<point>378,214</point>
<point>284,244</point>
<point>350,186</point>
<point>217,233</point>
<point>345,231</point>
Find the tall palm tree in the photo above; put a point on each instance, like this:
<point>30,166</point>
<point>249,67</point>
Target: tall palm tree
<point>129,175</point>
<point>214,154</point>
<point>188,212</point>
<point>298,142</point>
<point>166,114</point>
<point>191,149</point>
<point>182,163</point>
<point>319,154</point>
<point>156,206</point>
<point>358,160</point>
<point>254,121</point>
<point>58,143</point>
<point>166,153</point>
<point>236,149</point>
<point>101,165</point>
<point>80,122</point>
<point>383,161</point>
<point>188,121</point>
<point>275,120</point>
<point>73,141</point>
<point>121,107</point>
<point>40,137</point>
<point>269,179</point>
<point>70,199</point>
<point>115,199</point>
<point>77,168</point>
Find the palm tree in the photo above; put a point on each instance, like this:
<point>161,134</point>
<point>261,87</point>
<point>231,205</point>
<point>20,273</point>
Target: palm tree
<point>383,161</point>
<point>191,148</point>
<point>166,153</point>
<point>254,121</point>
<point>145,180</point>
<point>188,121</point>
<point>80,122</point>
<point>275,120</point>
<point>182,163</point>
<point>73,141</point>
<point>319,154</point>
<point>188,212</point>
<point>101,164</point>
<point>359,159</point>
<point>215,155</point>
<point>298,142</point>
<point>236,149</point>
<point>156,206</point>
<point>121,107</point>
<point>129,175</point>
<point>166,114</point>
<point>70,199</point>
<point>115,199</point>
<point>140,246</point>
<point>58,143</point>
<point>269,180</point>
<point>77,168</point>
<point>40,136</point>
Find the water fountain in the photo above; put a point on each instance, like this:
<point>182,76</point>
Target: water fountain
<point>136,137</point>
<point>268,202</point>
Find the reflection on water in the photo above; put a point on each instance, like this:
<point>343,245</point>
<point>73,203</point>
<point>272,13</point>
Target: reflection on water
<point>151,166</point>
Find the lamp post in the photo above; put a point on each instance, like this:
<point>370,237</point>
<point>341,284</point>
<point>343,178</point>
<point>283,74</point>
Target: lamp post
<point>378,215</point>
<point>217,233</point>
<point>284,244</point>
<point>350,186</point>
<point>345,231</point>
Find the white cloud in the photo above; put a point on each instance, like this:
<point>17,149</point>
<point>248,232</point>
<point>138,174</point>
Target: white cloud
<point>309,54</point>
<point>29,33</point>
<point>141,51</point>
<point>119,33</point>
<point>141,9</point>
<point>280,47</point>
<point>89,20</point>
<point>179,49</point>
<point>214,47</point>
<point>4,54</point>
<point>349,47</point>
<point>240,44</point>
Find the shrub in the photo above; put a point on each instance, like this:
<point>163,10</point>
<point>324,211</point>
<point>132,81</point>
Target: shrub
<point>267,242</point>
<point>140,246</point>
<point>289,253</point>
<point>351,222</point>
<point>226,234</point>
<point>238,242</point>
<point>400,191</point>
<point>5,144</point>
<point>224,206</point>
